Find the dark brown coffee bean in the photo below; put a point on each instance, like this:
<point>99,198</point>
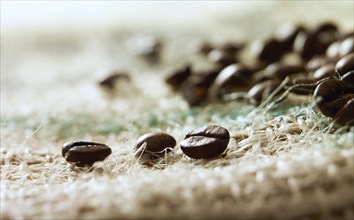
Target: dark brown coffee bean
<point>83,153</point>
<point>269,51</point>
<point>110,81</point>
<point>345,64</point>
<point>333,95</point>
<point>304,45</point>
<point>348,77</point>
<point>325,71</point>
<point>286,35</point>
<point>221,57</point>
<point>346,47</point>
<point>205,142</point>
<point>194,92</point>
<point>176,78</point>
<point>204,48</point>
<point>152,146</point>
<point>303,85</point>
<point>333,50</point>
<point>281,71</point>
<point>235,77</point>
<point>262,90</point>
<point>318,61</point>
<point>229,47</point>
<point>345,116</point>
<point>326,33</point>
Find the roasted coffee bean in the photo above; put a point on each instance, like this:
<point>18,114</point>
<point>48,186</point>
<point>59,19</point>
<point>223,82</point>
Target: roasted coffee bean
<point>235,77</point>
<point>333,95</point>
<point>269,51</point>
<point>152,146</point>
<point>176,78</point>
<point>346,47</point>
<point>325,71</point>
<point>346,64</point>
<point>333,50</point>
<point>348,77</point>
<point>205,142</point>
<point>286,35</point>
<point>221,57</point>
<point>304,45</point>
<point>345,116</point>
<point>194,93</point>
<point>83,153</point>
<point>281,71</point>
<point>262,90</point>
<point>110,81</point>
<point>147,46</point>
<point>326,33</point>
<point>318,61</point>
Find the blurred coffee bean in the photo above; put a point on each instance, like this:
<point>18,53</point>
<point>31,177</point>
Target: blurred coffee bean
<point>205,142</point>
<point>177,77</point>
<point>221,57</point>
<point>204,47</point>
<point>152,146</point>
<point>325,71</point>
<point>318,61</point>
<point>262,90</point>
<point>281,71</point>
<point>348,77</point>
<point>345,116</point>
<point>286,35</point>
<point>111,80</point>
<point>268,51</point>
<point>230,47</point>
<point>304,45</point>
<point>303,85</point>
<point>333,95</point>
<point>346,47</point>
<point>194,92</point>
<point>83,153</point>
<point>146,46</point>
<point>333,50</point>
<point>326,33</point>
<point>345,64</point>
<point>235,77</point>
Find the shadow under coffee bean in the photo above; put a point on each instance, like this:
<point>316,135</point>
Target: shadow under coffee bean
<point>205,142</point>
<point>83,153</point>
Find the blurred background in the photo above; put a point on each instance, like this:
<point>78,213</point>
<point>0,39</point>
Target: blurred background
<point>53,49</point>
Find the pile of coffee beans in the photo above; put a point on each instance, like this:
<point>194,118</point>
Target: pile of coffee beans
<point>202,143</point>
<point>320,53</point>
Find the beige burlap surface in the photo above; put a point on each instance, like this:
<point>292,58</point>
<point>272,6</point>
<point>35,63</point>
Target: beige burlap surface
<point>286,162</point>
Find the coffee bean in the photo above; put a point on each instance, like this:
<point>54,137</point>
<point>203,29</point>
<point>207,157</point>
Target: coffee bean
<point>194,92</point>
<point>348,77</point>
<point>111,80</point>
<point>346,47</point>
<point>318,61</point>
<point>304,45</point>
<point>176,78</point>
<point>205,142</point>
<point>235,77</point>
<point>325,71</point>
<point>326,33</point>
<point>345,64</point>
<point>83,153</point>
<point>152,146</point>
<point>286,34</point>
<point>281,71</point>
<point>221,57</point>
<point>304,85</point>
<point>269,51</point>
<point>345,115</point>
<point>333,49</point>
<point>333,95</point>
<point>262,90</point>
<point>204,48</point>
